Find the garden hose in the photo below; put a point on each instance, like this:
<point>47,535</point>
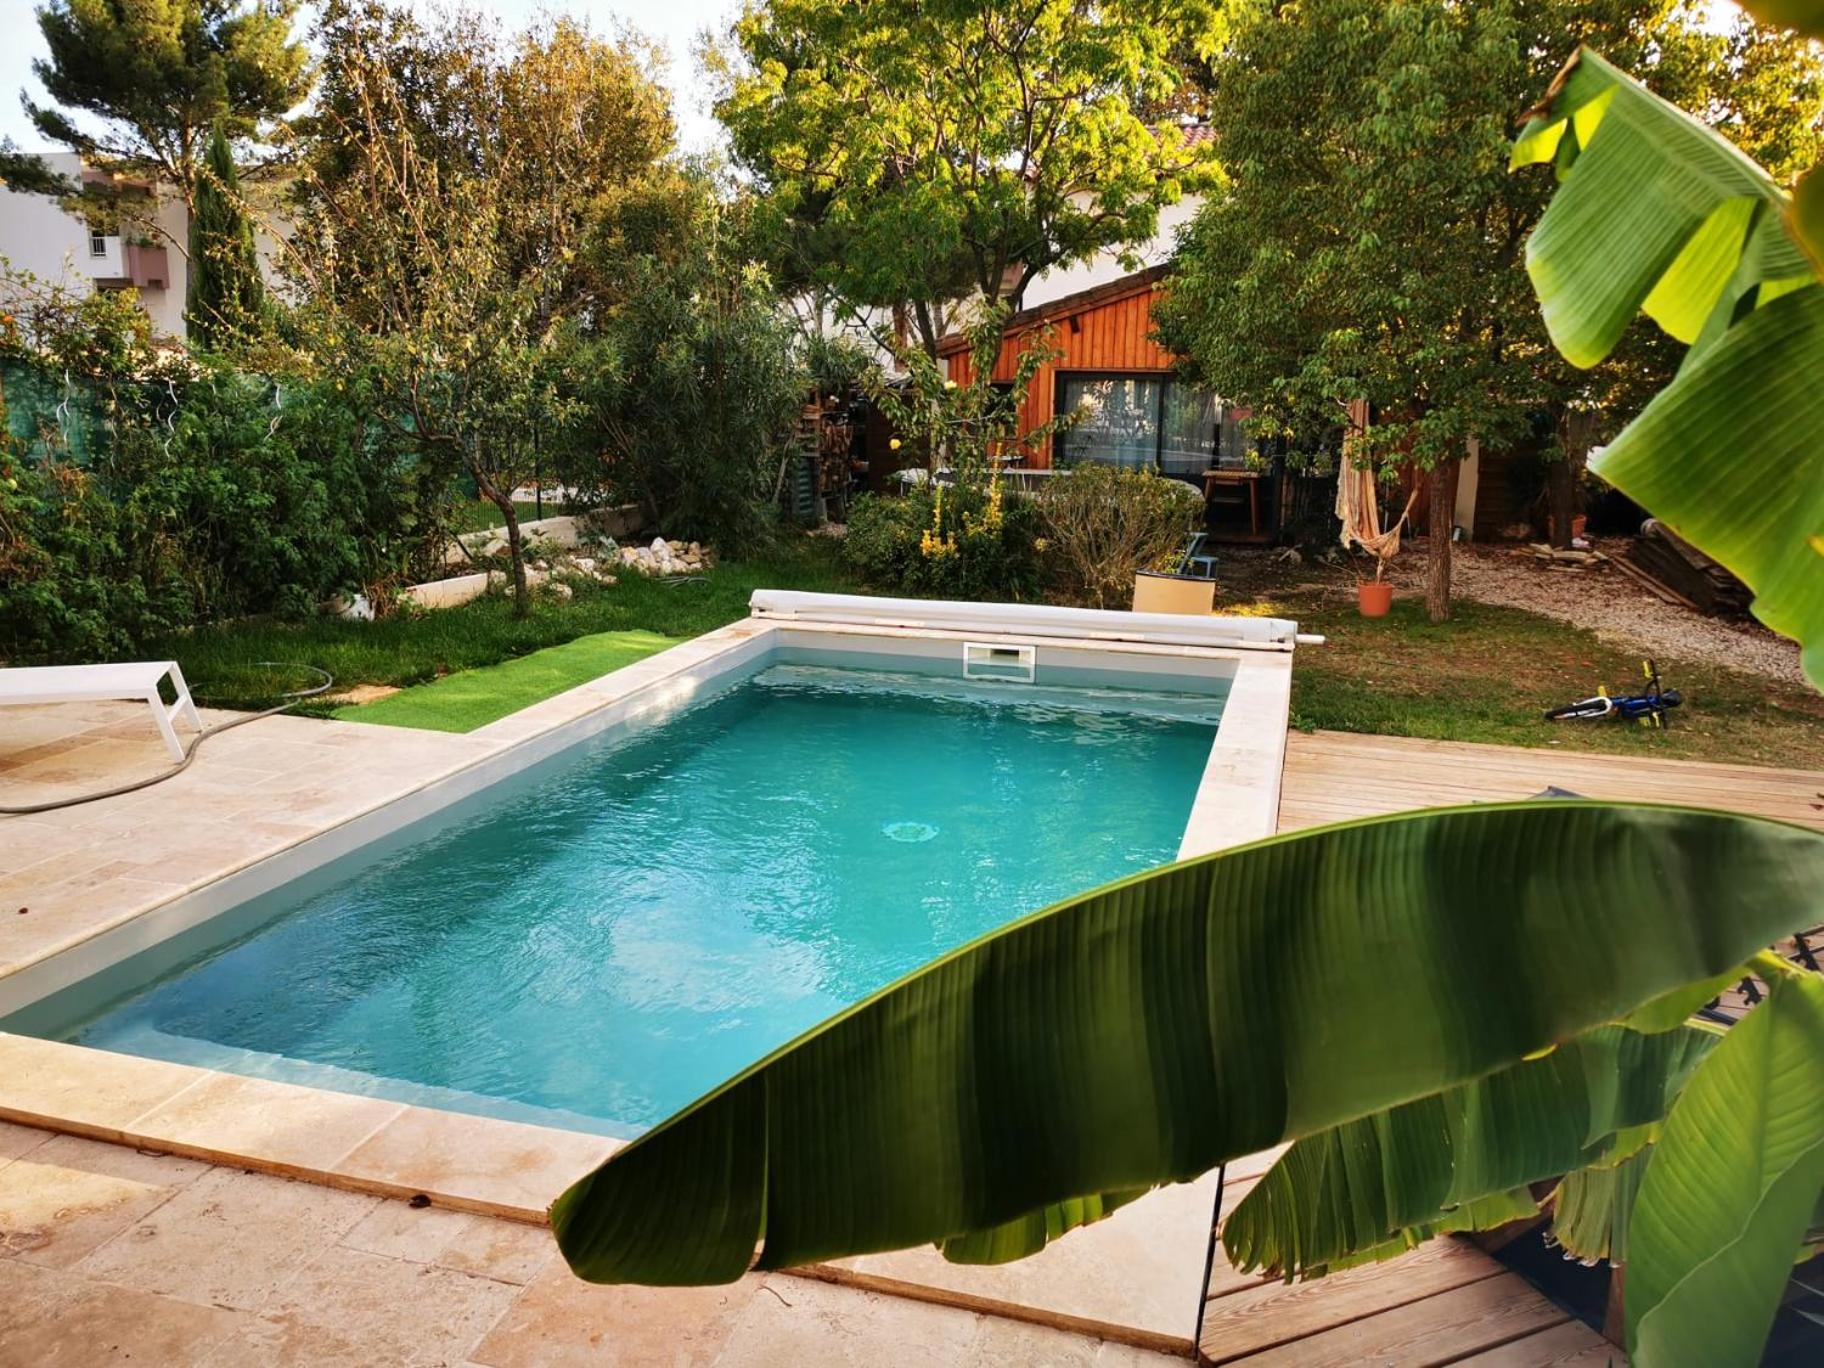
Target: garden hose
<point>291,700</point>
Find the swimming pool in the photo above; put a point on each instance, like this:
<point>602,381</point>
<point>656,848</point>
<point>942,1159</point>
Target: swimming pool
<point>604,938</point>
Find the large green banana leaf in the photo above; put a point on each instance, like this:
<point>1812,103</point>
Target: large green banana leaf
<point>1658,213</point>
<point>1143,1033</point>
<point>1730,1188</point>
<point>1356,1186</point>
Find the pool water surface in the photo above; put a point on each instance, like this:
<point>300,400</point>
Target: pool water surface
<point>663,908</point>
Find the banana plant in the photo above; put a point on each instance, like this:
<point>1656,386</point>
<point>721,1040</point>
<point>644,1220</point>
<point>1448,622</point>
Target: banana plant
<point>1657,213</point>
<point>1144,1033</point>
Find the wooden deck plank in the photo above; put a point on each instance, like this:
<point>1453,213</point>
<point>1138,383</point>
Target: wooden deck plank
<point>1434,1330</point>
<point>1561,1346</point>
<point>1260,1318</point>
<point>1331,776</point>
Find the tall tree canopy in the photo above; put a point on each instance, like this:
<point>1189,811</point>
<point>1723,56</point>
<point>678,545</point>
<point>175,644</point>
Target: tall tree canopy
<point>567,130</point>
<point>226,295</point>
<point>1369,242</point>
<point>923,152</point>
<point>158,76</point>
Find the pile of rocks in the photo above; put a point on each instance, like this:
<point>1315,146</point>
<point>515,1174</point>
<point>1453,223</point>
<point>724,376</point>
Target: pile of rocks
<point>666,558</point>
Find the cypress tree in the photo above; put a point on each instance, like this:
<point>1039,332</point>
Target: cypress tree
<point>226,295</point>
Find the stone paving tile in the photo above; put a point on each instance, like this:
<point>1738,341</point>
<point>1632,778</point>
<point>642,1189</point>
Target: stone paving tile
<point>119,1161</point>
<point>798,1321</point>
<point>562,1322</point>
<point>402,1231</point>
<point>18,1140</point>
<point>227,1115</point>
<point>54,1215</point>
<point>48,1320</point>
<point>349,1307</point>
<point>505,1250</point>
<point>228,1239</point>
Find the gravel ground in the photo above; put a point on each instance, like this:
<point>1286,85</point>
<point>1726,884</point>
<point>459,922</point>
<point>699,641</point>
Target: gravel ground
<point>1611,605</point>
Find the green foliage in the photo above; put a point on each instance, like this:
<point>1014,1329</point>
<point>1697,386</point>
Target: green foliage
<point>218,498</point>
<point>695,381</point>
<point>1730,1189</point>
<point>406,649</point>
<point>1717,262</point>
<point>1123,1018</point>
<point>158,75</point>
<point>26,174</point>
<point>226,297</point>
<point>1358,1186</point>
<point>917,154</point>
<point>1103,524</point>
<point>953,542</point>
<point>566,130</point>
<point>195,493</point>
<point>1368,244</point>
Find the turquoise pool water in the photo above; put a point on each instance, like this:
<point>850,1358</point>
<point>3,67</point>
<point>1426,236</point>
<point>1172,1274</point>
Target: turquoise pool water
<point>605,941</point>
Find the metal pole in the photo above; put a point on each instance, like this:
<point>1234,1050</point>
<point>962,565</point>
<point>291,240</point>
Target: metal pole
<point>1209,1263</point>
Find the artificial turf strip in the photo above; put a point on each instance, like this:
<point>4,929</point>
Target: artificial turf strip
<point>469,699</point>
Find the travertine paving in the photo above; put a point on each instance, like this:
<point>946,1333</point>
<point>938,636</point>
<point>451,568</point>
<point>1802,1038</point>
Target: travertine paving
<point>111,1255</point>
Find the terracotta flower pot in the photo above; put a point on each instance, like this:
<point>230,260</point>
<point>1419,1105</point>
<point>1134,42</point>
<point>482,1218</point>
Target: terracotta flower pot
<point>1374,598</point>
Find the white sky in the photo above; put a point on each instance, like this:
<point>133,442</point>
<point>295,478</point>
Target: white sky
<point>674,24</point>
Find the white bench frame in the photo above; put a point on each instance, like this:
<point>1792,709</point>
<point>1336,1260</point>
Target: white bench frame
<point>135,681</point>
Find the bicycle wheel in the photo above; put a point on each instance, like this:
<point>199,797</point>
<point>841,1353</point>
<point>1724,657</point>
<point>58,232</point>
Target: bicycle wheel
<point>1584,708</point>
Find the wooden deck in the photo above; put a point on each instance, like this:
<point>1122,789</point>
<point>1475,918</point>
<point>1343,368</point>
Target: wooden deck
<point>1331,776</point>
<point>1446,1302</point>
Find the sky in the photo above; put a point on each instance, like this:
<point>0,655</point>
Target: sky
<point>674,24</point>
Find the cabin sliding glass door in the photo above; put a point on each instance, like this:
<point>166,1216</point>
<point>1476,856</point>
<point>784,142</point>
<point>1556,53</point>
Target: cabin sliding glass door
<point>1119,423</point>
<point>1149,422</point>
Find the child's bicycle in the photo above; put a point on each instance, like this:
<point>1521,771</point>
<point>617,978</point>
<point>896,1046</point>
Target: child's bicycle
<point>1648,708</point>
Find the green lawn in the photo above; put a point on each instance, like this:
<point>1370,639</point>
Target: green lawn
<point>221,662</point>
<point>469,699</point>
<point>1486,675</point>
<point>1490,672</point>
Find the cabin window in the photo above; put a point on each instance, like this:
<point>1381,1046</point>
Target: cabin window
<point>1150,422</point>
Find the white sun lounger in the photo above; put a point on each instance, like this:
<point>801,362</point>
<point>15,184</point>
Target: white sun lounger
<point>136,681</point>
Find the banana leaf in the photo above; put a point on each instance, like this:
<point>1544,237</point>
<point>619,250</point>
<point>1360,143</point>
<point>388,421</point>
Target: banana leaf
<point>1658,213</point>
<point>1356,1186</point>
<point>1590,1209</point>
<point>1484,1213</point>
<point>1730,1188</point>
<point>1143,1033</point>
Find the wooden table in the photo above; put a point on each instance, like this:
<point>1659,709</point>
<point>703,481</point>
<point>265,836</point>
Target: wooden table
<point>1217,479</point>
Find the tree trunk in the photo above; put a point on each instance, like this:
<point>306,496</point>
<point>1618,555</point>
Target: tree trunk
<point>1440,516</point>
<point>1561,498</point>
<point>1576,433</point>
<point>516,548</point>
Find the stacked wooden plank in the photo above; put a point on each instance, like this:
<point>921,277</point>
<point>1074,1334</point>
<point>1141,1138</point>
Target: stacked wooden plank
<point>1690,575</point>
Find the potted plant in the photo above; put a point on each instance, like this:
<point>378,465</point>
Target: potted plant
<point>1375,596</point>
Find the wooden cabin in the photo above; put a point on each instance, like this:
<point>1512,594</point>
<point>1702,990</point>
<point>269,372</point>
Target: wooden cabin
<point>1138,413</point>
